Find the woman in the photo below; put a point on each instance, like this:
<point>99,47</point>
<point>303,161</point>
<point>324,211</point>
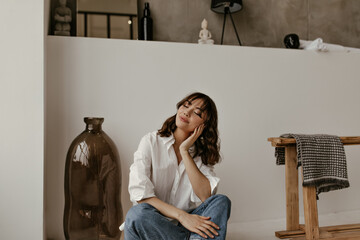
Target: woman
<point>172,182</point>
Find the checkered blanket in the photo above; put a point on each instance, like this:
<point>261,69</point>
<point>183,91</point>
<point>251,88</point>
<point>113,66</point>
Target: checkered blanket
<point>322,158</point>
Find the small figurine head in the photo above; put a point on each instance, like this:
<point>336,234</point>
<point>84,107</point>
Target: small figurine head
<point>204,24</point>
<point>62,2</point>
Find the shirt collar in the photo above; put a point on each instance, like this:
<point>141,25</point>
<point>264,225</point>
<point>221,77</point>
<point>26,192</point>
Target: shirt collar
<point>168,141</point>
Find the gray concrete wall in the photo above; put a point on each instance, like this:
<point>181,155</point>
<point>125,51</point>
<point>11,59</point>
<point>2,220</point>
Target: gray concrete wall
<point>262,23</point>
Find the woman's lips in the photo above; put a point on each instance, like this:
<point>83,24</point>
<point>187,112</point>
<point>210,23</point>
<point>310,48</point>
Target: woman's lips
<point>184,119</point>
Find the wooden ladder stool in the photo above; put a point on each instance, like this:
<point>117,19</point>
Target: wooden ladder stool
<point>311,229</point>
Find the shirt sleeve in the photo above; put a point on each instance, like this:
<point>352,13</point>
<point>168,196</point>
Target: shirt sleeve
<point>209,173</point>
<point>140,185</point>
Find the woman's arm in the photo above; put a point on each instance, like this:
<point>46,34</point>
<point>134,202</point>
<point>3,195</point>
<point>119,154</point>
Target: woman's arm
<point>194,223</point>
<point>199,182</point>
<point>166,209</point>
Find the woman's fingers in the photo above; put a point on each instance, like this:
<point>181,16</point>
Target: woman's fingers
<point>199,232</point>
<point>212,230</point>
<point>196,134</point>
<point>208,222</point>
<point>200,225</point>
<point>198,130</point>
<point>205,230</point>
<point>212,224</point>
<point>208,227</point>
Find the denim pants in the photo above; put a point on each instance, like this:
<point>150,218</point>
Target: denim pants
<point>145,222</point>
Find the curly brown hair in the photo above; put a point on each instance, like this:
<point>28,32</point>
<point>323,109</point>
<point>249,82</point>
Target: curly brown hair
<point>207,146</point>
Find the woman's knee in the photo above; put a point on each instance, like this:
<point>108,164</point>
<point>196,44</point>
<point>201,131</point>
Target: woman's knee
<point>138,213</point>
<point>221,201</point>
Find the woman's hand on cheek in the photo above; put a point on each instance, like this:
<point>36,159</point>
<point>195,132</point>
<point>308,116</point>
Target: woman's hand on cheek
<point>192,138</point>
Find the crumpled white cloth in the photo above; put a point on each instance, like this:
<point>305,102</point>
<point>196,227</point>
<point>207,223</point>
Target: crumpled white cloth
<point>122,226</point>
<point>319,45</point>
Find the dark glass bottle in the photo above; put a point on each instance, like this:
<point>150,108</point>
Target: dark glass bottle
<point>93,209</point>
<point>146,25</point>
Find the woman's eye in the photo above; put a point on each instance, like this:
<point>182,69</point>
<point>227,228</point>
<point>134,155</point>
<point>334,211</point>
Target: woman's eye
<point>199,114</point>
<point>185,105</point>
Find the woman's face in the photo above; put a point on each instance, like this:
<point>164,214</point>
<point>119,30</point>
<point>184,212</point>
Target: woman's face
<point>190,115</point>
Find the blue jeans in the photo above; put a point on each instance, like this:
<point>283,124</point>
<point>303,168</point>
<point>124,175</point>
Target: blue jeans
<point>145,222</point>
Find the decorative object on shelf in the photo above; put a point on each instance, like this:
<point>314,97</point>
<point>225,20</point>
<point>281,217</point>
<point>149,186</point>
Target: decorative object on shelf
<point>292,41</point>
<point>316,45</point>
<point>63,17</point>
<point>205,34</point>
<point>92,186</point>
<point>146,25</point>
<point>227,7</point>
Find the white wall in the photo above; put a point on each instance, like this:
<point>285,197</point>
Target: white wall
<point>259,93</point>
<point>21,124</point>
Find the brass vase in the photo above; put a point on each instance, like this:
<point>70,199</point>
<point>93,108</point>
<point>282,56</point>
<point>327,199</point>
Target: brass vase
<point>92,186</point>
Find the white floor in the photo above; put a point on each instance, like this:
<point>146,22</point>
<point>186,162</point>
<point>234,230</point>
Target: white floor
<point>265,230</point>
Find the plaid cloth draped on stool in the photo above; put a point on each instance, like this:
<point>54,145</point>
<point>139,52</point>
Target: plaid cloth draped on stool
<point>322,158</point>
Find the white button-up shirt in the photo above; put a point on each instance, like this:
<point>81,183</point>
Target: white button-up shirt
<point>156,172</point>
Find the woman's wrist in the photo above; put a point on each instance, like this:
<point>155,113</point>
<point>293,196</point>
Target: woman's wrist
<point>180,215</point>
<point>183,150</point>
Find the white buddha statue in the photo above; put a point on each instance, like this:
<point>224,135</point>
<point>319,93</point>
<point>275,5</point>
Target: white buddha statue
<point>205,35</point>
